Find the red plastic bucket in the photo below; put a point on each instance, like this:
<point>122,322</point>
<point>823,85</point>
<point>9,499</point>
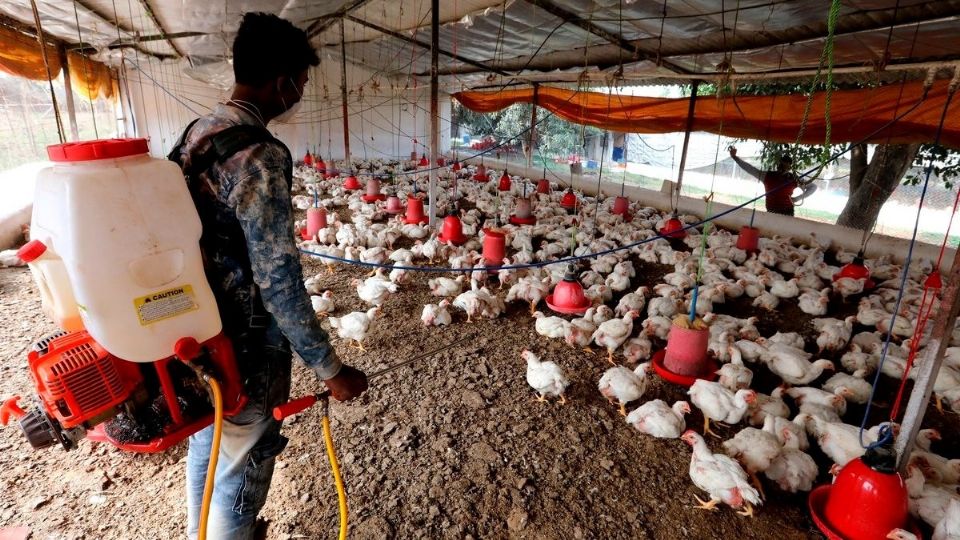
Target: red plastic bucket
<point>687,351</point>
<point>316,220</point>
<point>543,186</point>
<point>748,239</point>
<point>393,205</point>
<point>621,205</point>
<point>415,211</point>
<point>505,182</point>
<point>452,231</point>
<point>351,183</point>
<point>494,245</point>
<point>673,228</point>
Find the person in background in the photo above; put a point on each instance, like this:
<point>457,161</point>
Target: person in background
<point>778,184</point>
<point>253,266</point>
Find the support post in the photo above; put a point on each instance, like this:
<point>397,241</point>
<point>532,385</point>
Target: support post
<point>68,91</point>
<point>929,365</point>
<point>343,95</point>
<point>434,107</point>
<point>686,136</point>
<point>532,134</point>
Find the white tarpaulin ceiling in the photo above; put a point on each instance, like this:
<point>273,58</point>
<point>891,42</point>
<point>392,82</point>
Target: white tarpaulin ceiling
<point>483,41</point>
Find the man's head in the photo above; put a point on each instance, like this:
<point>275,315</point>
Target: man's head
<point>785,164</point>
<point>271,57</point>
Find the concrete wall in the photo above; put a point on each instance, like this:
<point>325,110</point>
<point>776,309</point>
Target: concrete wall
<point>383,118</point>
<point>769,224</point>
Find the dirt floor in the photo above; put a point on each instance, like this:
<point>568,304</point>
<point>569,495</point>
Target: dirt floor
<point>452,447</point>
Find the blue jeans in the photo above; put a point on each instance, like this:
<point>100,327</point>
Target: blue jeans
<point>249,444</point>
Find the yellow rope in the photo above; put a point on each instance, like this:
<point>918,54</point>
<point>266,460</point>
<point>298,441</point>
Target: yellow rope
<point>337,478</point>
<point>214,455</point>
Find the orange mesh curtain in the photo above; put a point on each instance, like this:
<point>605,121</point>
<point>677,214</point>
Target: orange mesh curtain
<point>90,78</point>
<point>856,115</point>
<point>21,55</point>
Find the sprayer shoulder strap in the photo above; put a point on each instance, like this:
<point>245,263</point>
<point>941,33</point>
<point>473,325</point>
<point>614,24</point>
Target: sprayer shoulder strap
<point>223,144</point>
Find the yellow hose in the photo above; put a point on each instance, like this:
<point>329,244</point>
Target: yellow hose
<point>337,478</point>
<point>214,455</point>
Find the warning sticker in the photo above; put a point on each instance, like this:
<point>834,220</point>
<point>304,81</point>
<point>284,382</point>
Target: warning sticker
<point>165,304</point>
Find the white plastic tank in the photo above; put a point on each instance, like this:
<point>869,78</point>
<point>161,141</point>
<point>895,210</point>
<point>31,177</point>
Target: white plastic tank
<point>56,293</point>
<point>128,234</point>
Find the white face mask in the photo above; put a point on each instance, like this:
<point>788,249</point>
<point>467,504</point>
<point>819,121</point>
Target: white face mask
<point>287,115</point>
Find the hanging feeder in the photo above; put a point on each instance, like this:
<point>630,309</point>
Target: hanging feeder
<point>440,162</point>
<point>320,165</point>
<point>523,212</point>
<point>543,186</point>
<point>316,220</point>
<point>567,296</point>
<point>452,231</point>
<point>686,357</point>
<point>867,500</point>
<point>494,247</point>
<point>673,228</point>
<point>749,239</point>
<point>933,281</point>
<point>308,159</point>
<point>456,166</point>
<point>505,182</point>
<point>621,205</point>
<point>481,174</point>
<point>424,162</point>
<point>351,183</point>
<point>415,213</point>
<point>569,201</point>
<point>393,205</point>
<point>373,191</point>
<point>856,270</point>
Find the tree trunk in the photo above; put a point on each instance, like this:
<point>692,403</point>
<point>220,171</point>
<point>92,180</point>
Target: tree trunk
<point>881,177</point>
<point>858,166</point>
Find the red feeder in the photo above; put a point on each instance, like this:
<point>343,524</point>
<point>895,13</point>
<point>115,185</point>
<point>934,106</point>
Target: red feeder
<point>351,183</point>
<point>568,295</point>
<point>456,166</point>
<point>424,162</point>
<point>685,359</point>
<point>452,231</point>
<point>620,206</point>
<point>867,500</point>
<point>673,228</point>
<point>481,174</point>
<point>316,220</point>
<point>320,165</point>
<point>494,246</point>
<point>856,270</point>
<point>440,162</point>
<point>504,182</point>
<point>933,281</point>
<point>373,191</point>
<point>308,159</point>
<point>749,239</point>
<point>522,214</point>
<point>415,211</point>
<point>393,205</point>
<point>304,235</point>
<point>543,186</point>
<point>569,201</point>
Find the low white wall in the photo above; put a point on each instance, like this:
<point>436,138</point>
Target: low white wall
<point>16,205</point>
<point>769,224</point>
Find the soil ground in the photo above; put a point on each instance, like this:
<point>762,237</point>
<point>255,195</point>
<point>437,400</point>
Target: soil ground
<point>451,447</point>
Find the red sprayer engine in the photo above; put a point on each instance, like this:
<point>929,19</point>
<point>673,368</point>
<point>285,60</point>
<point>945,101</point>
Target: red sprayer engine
<point>82,390</point>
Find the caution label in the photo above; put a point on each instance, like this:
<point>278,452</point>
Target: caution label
<point>165,304</point>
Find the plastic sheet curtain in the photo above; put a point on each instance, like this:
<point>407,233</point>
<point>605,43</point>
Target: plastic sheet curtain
<point>20,55</point>
<point>856,115</point>
<point>89,78</point>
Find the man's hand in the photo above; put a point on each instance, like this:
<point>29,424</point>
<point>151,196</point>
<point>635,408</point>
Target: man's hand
<point>349,383</point>
<point>732,150</point>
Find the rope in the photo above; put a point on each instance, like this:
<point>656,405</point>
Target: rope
<point>828,52</point>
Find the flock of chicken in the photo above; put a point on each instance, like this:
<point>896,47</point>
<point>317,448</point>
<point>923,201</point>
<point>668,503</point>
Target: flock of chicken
<point>629,323</point>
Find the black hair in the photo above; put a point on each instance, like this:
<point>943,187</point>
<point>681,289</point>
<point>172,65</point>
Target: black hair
<point>267,47</point>
<point>786,158</point>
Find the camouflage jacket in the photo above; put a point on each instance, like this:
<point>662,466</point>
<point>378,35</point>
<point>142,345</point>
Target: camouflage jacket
<point>251,258</point>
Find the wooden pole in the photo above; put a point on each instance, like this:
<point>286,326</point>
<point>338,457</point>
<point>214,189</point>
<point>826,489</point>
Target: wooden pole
<point>343,95</point>
<point>68,90</point>
<point>928,365</point>
<point>434,107</point>
<point>686,136</point>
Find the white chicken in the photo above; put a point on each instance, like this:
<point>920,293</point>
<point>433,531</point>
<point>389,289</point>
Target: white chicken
<point>835,334</point>
<point>634,301</point>
<point>545,377</point>
<point>354,326</point>
<point>718,403</point>
<point>550,327</point>
<point>792,470</point>
<point>531,289</point>
<point>720,476</point>
<point>623,385</point>
<point>611,334</point>
<point>785,289</point>
<point>755,449</point>
<point>657,419</point>
<point>734,375</point>
<point>794,369</point>
<point>323,304</point>
<point>638,349</point>
<point>444,286</point>
<point>436,314</point>
<point>375,290</point>
<point>814,303</point>
<point>580,331</point>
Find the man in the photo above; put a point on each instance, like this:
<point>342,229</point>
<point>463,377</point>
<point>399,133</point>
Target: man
<point>778,184</point>
<point>253,266</point>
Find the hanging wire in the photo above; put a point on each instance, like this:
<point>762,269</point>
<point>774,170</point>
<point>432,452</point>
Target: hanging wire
<point>46,64</point>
